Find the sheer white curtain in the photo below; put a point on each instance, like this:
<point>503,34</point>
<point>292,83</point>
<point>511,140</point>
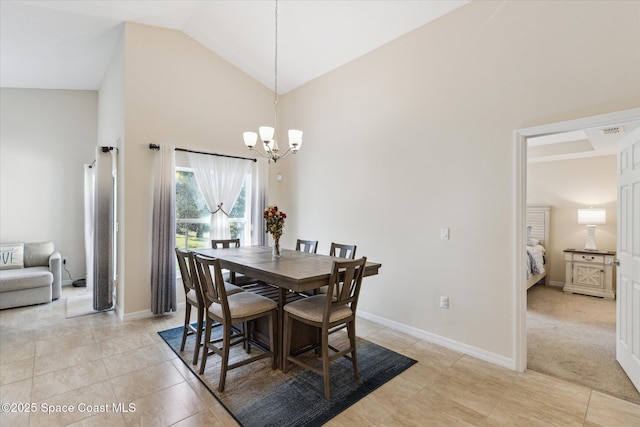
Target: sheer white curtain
<point>163,262</point>
<point>220,181</point>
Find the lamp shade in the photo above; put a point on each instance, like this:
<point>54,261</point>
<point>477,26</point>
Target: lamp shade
<point>250,139</point>
<point>295,139</point>
<point>592,216</point>
<point>266,133</point>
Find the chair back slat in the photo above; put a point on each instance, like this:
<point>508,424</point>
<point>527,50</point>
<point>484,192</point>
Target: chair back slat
<point>225,243</point>
<point>343,251</point>
<point>185,271</point>
<point>310,246</point>
<point>212,283</point>
<point>344,285</point>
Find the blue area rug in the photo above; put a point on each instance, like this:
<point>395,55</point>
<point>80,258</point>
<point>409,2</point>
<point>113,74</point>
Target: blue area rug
<point>257,396</point>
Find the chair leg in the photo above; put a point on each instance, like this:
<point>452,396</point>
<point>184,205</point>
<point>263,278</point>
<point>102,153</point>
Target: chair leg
<point>205,350</point>
<point>272,338</point>
<point>351,331</point>
<point>286,342</point>
<point>187,318</point>
<point>225,356</point>
<point>247,335</point>
<point>196,352</point>
<point>325,363</point>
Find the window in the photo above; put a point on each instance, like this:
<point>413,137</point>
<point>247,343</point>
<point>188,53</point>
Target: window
<point>193,217</point>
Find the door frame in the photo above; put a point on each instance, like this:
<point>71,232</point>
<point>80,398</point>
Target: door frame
<point>520,210</point>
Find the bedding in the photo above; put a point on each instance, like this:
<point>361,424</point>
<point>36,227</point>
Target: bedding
<point>535,260</point>
<point>537,240</point>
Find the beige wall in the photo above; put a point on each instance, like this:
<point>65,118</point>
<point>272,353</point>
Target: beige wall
<point>569,185</point>
<point>176,92</point>
<point>45,138</point>
<point>418,135</point>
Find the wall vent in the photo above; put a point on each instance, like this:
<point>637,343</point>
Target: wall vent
<point>612,130</point>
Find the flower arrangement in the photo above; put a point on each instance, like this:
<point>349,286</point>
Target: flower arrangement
<point>275,224</point>
<point>275,221</point>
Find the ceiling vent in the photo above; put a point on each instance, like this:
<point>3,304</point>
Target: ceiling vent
<point>613,130</point>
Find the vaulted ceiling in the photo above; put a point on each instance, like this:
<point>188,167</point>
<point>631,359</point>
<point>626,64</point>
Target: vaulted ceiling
<point>68,44</point>
<point>54,44</point>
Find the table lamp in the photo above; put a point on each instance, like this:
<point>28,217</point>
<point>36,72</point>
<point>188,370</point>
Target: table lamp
<point>591,217</point>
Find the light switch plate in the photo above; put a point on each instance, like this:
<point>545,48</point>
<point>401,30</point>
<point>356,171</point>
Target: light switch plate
<point>444,233</point>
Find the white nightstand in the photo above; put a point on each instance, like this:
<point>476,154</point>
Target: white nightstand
<point>589,273</point>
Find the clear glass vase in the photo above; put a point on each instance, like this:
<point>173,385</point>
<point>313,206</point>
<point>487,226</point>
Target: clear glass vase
<point>275,250</point>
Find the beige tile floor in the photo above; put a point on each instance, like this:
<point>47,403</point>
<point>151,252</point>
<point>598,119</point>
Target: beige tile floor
<point>48,362</point>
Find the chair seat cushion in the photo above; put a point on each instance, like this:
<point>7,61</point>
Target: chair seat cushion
<point>191,297</point>
<point>312,309</point>
<point>231,289</point>
<point>243,304</point>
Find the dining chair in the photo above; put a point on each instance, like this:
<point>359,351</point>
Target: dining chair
<point>231,276</point>
<point>194,298</point>
<point>310,246</point>
<point>329,315</point>
<point>239,308</point>
<point>343,251</point>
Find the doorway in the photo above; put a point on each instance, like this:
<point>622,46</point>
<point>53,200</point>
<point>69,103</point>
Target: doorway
<point>629,117</point>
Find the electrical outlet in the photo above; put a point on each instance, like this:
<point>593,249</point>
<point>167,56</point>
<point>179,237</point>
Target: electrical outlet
<point>444,302</point>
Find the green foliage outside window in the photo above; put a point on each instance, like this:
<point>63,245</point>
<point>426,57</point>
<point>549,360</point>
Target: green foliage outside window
<point>191,205</point>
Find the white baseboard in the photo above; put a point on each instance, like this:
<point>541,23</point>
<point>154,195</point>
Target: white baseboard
<point>67,282</point>
<point>479,353</point>
<point>142,314</point>
<point>556,284</point>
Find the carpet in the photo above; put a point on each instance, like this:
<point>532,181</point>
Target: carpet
<point>573,337</point>
<point>256,395</point>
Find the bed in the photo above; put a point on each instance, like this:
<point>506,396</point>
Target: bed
<point>538,219</point>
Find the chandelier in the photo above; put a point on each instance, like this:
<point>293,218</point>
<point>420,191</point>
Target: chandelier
<point>267,133</point>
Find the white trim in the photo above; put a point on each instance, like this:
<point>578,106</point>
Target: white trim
<point>520,198</point>
<point>143,314</point>
<point>476,352</point>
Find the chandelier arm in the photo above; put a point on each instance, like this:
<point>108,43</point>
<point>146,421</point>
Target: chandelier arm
<point>266,156</point>
<point>286,153</point>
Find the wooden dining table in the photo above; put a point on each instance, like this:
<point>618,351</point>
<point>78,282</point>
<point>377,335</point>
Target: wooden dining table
<point>293,271</point>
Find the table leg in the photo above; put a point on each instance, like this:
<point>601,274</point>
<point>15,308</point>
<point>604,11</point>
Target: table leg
<point>282,299</point>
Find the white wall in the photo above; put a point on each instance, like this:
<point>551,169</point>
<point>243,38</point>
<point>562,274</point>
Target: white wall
<point>569,185</point>
<point>111,113</point>
<point>45,138</point>
<point>418,135</point>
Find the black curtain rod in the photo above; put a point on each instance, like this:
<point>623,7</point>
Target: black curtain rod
<point>157,147</point>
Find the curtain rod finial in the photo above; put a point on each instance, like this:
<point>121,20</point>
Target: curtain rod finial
<point>154,147</point>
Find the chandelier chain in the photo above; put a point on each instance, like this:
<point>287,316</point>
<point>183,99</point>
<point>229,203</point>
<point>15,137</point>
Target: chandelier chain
<point>276,57</point>
<point>267,133</point>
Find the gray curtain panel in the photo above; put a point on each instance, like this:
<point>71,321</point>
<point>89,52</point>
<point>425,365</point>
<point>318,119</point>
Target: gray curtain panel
<point>163,263</point>
<point>103,229</point>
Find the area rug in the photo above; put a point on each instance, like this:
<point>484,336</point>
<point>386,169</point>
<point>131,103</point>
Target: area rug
<point>256,395</point>
<point>573,337</point>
